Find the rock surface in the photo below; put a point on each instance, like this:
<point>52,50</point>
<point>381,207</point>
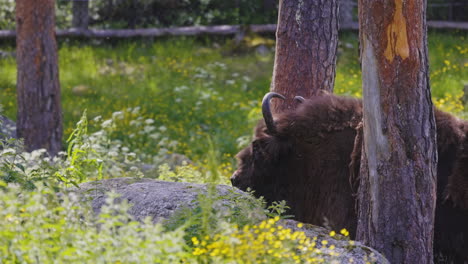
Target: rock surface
<point>155,198</point>
<point>160,199</point>
<point>349,251</point>
<point>7,128</point>
<point>7,54</point>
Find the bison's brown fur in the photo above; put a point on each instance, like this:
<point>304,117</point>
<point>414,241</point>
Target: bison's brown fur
<point>310,158</point>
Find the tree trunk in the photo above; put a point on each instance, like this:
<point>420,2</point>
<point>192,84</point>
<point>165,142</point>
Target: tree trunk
<point>398,171</point>
<point>346,12</point>
<point>268,5</point>
<point>306,43</point>
<point>39,111</point>
<point>80,10</point>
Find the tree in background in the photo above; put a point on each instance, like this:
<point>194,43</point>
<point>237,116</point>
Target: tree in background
<point>80,9</point>
<point>306,44</point>
<point>346,12</point>
<point>398,170</point>
<point>39,111</point>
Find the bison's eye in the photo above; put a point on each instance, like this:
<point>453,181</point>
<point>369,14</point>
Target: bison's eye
<point>258,147</point>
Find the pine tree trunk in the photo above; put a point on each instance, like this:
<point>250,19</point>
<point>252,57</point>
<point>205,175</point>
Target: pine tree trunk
<point>346,12</point>
<point>398,171</point>
<point>306,44</point>
<point>39,111</point>
<point>268,5</point>
<point>80,9</point>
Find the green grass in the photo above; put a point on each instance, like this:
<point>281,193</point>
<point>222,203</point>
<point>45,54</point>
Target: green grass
<point>196,90</point>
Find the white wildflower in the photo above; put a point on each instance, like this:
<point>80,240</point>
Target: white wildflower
<point>106,123</point>
<point>149,121</point>
<point>118,115</point>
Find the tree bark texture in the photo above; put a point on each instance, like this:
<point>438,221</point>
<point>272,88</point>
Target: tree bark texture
<point>39,111</point>
<point>346,12</point>
<point>80,10</point>
<point>398,171</point>
<point>306,44</point>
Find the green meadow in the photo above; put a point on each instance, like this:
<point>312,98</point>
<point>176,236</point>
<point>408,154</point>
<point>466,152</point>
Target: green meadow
<point>189,90</point>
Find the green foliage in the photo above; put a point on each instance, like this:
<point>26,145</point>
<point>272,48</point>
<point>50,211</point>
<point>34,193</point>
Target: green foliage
<point>7,14</point>
<point>25,169</point>
<point>156,13</point>
<point>79,152</point>
<point>186,173</point>
<point>38,224</point>
<point>63,14</point>
<point>40,227</point>
<point>278,209</point>
<point>449,71</point>
<point>212,210</point>
<point>12,164</point>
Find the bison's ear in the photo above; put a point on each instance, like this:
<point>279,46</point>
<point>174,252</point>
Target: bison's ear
<point>261,130</point>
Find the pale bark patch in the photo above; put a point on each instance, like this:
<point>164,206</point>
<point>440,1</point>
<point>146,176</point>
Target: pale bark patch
<point>377,147</point>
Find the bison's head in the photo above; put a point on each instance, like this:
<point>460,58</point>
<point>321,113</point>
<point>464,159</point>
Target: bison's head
<point>273,152</point>
<point>260,161</point>
<point>261,164</point>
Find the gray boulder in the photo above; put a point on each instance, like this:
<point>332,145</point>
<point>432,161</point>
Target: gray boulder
<point>7,128</point>
<point>160,199</point>
<point>349,251</point>
<point>7,54</point>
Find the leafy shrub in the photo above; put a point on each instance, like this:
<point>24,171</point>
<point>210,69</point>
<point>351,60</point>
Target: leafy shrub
<point>42,227</point>
<point>7,14</point>
<point>24,168</point>
<point>39,227</point>
<point>151,13</point>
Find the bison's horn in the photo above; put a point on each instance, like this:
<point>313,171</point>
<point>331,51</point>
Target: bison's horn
<point>299,99</point>
<point>266,111</point>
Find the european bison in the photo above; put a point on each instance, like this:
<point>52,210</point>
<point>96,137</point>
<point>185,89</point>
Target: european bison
<point>310,157</point>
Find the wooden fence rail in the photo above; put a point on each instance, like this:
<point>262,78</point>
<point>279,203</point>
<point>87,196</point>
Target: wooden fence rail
<point>199,30</point>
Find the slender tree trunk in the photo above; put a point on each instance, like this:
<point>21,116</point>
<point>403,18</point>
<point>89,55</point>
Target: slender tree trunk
<point>398,170</point>
<point>80,9</point>
<point>306,43</point>
<point>346,12</point>
<point>39,111</point>
<point>268,5</point>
